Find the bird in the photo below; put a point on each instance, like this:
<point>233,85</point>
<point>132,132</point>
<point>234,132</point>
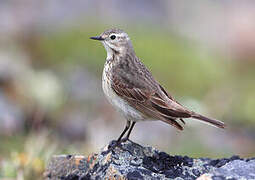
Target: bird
<point>132,90</point>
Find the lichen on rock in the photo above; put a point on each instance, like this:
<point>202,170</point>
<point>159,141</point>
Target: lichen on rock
<point>133,161</point>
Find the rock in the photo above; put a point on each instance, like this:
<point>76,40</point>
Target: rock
<point>133,161</point>
<point>236,169</point>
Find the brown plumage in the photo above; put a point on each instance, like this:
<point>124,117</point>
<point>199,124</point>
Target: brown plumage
<point>134,83</point>
<point>132,90</point>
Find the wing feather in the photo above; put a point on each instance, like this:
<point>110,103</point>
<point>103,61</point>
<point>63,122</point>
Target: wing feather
<point>132,81</point>
<point>149,103</point>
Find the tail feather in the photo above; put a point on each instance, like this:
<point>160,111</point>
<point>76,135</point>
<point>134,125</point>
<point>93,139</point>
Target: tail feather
<point>214,122</point>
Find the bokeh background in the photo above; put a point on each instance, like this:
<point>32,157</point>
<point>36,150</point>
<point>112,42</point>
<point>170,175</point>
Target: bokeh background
<point>51,101</point>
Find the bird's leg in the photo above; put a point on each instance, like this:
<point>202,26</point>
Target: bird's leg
<point>120,139</point>
<point>126,138</point>
<point>124,131</point>
<point>116,143</point>
<point>129,132</point>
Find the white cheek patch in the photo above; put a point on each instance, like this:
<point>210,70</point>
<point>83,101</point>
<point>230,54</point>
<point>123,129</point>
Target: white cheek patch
<point>108,50</point>
<point>113,47</point>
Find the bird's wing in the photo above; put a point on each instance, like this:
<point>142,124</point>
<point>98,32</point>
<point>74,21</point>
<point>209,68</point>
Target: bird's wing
<point>142,92</point>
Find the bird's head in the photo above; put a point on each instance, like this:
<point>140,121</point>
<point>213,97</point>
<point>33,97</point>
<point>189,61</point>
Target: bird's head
<point>115,41</point>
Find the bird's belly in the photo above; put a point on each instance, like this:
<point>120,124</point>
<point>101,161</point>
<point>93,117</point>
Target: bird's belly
<point>118,103</point>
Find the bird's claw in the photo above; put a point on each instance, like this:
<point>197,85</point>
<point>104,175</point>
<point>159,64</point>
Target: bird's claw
<point>115,144</point>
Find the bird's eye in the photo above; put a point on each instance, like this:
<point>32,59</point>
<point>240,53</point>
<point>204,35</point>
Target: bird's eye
<point>113,37</point>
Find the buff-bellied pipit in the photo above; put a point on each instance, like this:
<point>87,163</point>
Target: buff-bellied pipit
<point>131,89</point>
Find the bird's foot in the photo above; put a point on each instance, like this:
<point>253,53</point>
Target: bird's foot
<point>125,139</point>
<point>117,143</point>
<point>114,144</point>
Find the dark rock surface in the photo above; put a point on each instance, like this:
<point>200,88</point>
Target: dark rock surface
<point>133,161</point>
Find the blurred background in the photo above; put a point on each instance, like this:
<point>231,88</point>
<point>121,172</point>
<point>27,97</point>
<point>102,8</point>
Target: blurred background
<point>51,101</point>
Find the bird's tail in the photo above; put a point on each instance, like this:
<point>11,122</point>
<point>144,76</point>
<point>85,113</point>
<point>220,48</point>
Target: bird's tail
<point>214,122</point>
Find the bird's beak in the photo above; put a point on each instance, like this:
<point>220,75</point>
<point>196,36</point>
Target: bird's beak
<point>99,38</point>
